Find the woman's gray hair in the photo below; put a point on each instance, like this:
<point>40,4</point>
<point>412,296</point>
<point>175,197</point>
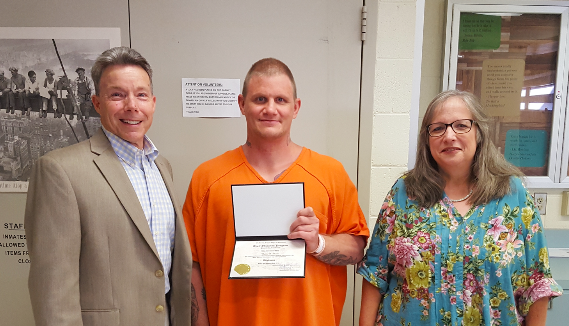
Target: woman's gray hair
<point>490,172</point>
<point>121,55</point>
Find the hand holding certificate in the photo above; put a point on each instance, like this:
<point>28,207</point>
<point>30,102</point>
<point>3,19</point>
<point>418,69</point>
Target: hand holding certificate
<point>263,214</point>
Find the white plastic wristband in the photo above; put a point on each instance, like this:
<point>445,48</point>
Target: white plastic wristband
<point>321,246</point>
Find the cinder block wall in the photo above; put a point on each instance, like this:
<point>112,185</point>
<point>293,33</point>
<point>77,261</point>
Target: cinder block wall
<point>392,97</point>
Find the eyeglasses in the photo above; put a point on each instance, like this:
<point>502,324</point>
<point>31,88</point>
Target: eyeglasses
<point>461,126</point>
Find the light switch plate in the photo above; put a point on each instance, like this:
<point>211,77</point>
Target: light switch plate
<point>540,200</point>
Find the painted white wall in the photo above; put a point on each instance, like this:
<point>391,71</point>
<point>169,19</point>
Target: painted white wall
<point>553,218</point>
<point>392,97</point>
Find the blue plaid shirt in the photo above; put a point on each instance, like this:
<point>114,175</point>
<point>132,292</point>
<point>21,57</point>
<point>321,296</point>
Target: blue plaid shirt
<point>152,194</point>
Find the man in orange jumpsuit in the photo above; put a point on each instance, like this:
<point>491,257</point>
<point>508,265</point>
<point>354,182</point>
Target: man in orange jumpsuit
<point>332,224</point>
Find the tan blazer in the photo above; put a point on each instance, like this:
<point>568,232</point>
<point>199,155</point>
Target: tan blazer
<point>93,259</point>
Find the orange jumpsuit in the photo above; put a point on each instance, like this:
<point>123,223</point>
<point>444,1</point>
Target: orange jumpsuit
<point>316,299</point>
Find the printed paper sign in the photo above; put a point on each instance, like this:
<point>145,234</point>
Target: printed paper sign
<point>210,98</point>
<point>526,148</point>
<point>501,87</point>
<point>479,32</point>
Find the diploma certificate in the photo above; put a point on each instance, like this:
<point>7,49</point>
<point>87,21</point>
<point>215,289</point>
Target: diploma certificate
<point>268,258</point>
<point>262,215</point>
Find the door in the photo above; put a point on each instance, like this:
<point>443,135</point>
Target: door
<point>318,40</point>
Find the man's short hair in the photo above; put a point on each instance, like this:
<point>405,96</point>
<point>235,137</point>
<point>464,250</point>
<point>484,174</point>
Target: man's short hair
<point>31,73</point>
<point>121,55</point>
<point>268,67</point>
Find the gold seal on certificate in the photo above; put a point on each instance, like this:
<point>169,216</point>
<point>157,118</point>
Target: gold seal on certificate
<point>242,269</point>
<point>262,214</point>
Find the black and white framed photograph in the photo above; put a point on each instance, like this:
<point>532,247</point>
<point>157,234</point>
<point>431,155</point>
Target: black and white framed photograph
<point>45,93</point>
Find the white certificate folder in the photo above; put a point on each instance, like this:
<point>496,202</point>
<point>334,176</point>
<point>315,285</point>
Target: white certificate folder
<point>262,215</point>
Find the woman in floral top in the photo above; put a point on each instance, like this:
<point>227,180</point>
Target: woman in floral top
<point>458,240</point>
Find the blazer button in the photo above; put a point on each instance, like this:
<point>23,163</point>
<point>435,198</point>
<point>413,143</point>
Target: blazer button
<point>159,273</point>
<point>159,308</point>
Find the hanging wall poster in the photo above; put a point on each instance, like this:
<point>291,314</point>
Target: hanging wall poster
<point>210,98</point>
<point>45,93</point>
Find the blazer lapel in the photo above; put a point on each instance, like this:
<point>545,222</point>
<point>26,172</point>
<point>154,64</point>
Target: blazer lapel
<point>112,170</point>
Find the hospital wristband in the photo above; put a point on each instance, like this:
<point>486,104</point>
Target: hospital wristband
<point>321,246</point>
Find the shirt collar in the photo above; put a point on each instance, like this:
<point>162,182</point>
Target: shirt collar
<point>130,153</point>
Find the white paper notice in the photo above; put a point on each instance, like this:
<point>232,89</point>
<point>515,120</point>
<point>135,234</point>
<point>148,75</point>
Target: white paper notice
<point>266,209</point>
<point>210,98</point>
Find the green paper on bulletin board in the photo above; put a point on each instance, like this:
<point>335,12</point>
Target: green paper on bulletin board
<point>479,32</point>
<point>526,148</point>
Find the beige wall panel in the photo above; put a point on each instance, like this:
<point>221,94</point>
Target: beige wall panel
<point>318,40</point>
<point>15,308</point>
<point>222,39</point>
<point>66,13</point>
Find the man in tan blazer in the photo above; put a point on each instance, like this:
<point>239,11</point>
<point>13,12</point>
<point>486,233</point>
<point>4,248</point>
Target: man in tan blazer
<point>106,237</point>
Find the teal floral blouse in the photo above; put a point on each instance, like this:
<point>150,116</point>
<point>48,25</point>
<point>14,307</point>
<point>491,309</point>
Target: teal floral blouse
<point>436,267</point>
